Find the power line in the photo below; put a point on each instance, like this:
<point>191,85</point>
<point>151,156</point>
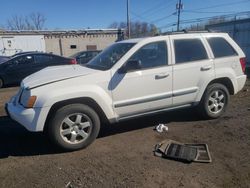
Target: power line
<point>146,15</point>
<point>155,21</point>
<point>155,7</point>
<point>221,5</point>
<point>213,12</point>
<point>204,19</point>
<point>163,18</point>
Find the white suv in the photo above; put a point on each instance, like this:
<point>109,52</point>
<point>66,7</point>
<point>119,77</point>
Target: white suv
<point>129,79</point>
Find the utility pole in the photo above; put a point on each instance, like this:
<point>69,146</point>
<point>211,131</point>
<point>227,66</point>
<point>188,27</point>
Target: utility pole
<point>128,20</point>
<point>179,6</point>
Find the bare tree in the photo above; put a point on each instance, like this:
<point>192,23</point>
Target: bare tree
<point>37,20</point>
<point>16,23</point>
<point>138,29</point>
<point>34,21</point>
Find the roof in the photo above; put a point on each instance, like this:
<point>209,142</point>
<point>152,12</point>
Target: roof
<point>165,35</point>
<point>57,32</point>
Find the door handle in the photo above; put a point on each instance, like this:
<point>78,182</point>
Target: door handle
<point>205,68</point>
<point>161,76</point>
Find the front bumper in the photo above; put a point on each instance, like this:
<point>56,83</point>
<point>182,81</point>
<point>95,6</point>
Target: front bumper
<point>33,119</point>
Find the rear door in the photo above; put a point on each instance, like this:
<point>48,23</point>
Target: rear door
<point>192,69</point>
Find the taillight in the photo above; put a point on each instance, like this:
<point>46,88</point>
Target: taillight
<point>73,61</point>
<point>243,64</point>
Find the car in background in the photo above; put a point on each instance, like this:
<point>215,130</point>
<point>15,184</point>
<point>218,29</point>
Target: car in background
<point>4,58</point>
<point>22,53</point>
<point>14,70</point>
<point>84,57</point>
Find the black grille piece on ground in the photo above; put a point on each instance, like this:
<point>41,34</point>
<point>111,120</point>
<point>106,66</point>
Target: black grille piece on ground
<point>183,152</point>
<point>203,154</point>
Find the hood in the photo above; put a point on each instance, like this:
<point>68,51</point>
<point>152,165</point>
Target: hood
<point>55,74</point>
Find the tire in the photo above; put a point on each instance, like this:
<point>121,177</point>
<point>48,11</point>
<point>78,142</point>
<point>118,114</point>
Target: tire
<point>1,82</point>
<point>74,127</point>
<point>214,101</point>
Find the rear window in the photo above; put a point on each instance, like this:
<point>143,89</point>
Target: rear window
<point>43,58</point>
<point>188,50</point>
<point>221,48</point>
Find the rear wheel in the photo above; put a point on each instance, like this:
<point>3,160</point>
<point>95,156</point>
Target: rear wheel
<point>214,101</point>
<point>74,127</point>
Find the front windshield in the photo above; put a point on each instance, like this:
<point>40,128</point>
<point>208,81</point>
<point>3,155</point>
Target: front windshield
<point>110,56</point>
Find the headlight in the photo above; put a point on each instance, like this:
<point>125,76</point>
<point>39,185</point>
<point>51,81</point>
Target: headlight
<point>26,99</point>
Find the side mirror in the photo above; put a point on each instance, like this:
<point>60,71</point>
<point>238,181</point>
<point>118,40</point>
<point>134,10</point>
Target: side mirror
<point>129,66</point>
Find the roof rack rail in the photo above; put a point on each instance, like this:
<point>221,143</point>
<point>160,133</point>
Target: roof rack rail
<point>187,31</point>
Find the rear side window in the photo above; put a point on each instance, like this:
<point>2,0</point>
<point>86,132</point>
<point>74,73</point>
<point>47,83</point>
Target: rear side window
<point>188,50</point>
<point>26,59</point>
<point>43,58</point>
<point>220,47</point>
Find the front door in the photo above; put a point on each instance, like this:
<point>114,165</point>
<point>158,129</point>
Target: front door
<point>146,88</point>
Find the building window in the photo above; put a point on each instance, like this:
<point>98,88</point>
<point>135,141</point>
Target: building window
<point>91,47</point>
<point>73,46</point>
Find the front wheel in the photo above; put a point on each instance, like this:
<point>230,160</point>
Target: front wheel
<point>214,101</point>
<point>74,127</point>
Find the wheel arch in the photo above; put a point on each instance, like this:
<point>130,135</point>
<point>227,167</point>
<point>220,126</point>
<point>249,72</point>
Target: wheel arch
<point>82,100</point>
<point>226,82</point>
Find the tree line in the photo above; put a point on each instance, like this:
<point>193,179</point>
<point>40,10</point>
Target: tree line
<point>137,28</point>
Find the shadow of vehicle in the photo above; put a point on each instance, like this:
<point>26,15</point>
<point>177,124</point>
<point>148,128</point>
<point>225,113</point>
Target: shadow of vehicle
<point>182,115</point>
<point>17,141</point>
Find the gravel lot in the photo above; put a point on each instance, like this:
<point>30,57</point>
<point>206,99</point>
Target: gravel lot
<point>122,155</point>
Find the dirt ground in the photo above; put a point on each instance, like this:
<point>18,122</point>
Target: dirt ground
<point>122,155</point>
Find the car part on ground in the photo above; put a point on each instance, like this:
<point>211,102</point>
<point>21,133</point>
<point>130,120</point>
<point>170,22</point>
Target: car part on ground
<point>183,152</point>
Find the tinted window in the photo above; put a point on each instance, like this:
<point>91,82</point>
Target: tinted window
<point>43,58</point>
<point>27,59</point>
<point>220,47</point>
<point>187,50</point>
<point>152,55</point>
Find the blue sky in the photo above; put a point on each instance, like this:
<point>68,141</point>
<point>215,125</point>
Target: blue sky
<point>78,14</point>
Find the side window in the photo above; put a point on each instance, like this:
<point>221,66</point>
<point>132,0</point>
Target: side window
<point>27,59</point>
<point>187,50</point>
<point>94,54</point>
<point>152,55</point>
<point>83,55</point>
<point>43,58</point>
<point>220,47</point>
